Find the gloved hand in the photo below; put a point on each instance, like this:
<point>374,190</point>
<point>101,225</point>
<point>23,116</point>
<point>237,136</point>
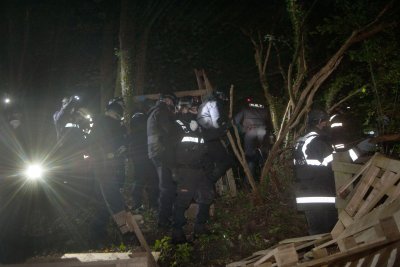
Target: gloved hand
<point>366,146</point>
<point>121,150</point>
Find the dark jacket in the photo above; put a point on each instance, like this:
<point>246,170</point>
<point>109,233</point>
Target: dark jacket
<point>161,132</point>
<point>191,151</point>
<point>107,136</point>
<point>251,117</point>
<point>313,172</point>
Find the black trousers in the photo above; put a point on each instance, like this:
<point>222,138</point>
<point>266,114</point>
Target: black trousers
<point>321,218</point>
<point>192,184</point>
<point>167,194</point>
<point>145,178</point>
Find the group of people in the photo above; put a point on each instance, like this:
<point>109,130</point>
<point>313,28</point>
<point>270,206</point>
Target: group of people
<point>176,150</point>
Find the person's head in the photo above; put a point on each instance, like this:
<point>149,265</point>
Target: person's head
<point>318,119</point>
<point>118,100</point>
<point>65,100</point>
<point>184,104</point>
<point>170,99</point>
<point>221,95</point>
<point>114,110</point>
<point>14,116</point>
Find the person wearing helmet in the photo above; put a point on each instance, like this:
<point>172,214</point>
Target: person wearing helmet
<point>64,118</point>
<point>119,100</point>
<point>70,123</point>
<point>107,151</point>
<point>254,123</point>
<point>213,119</point>
<point>161,134</point>
<point>315,184</point>
<point>190,173</point>
<point>145,177</point>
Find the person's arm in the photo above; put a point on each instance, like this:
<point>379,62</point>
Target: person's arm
<point>385,138</point>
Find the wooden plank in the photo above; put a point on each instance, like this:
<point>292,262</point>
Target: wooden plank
<point>283,255</point>
<point>346,167</point>
<point>345,187</point>
<point>387,163</point>
<point>369,235</point>
<point>337,229</point>
<point>359,250</point>
<point>373,218</point>
<point>266,257</point>
<point>380,188</point>
<point>131,222</point>
<point>177,93</point>
<point>286,255</point>
<point>361,189</point>
<point>345,218</point>
<point>304,238</point>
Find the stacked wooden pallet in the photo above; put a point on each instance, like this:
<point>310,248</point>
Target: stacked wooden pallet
<point>367,232</point>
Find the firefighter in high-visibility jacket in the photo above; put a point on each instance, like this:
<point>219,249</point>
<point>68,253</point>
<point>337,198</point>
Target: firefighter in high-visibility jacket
<point>315,184</point>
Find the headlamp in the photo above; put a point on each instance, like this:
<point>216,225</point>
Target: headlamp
<point>34,172</point>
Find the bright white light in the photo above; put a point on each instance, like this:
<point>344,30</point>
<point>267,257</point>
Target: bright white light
<point>76,97</point>
<point>88,116</point>
<point>306,200</point>
<point>336,124</point>
<point>34,172</point>
<point>7,100</point>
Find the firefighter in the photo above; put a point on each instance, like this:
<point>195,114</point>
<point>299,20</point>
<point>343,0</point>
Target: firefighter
<point>213,119</point>
<point>315,184</point>
<point>72,126</point>
<point>161,134</point>
<point>345,129</point>
<point>107,150</point>
<point>254,124</point>
<point>190,174</point>
<point>145,175</point>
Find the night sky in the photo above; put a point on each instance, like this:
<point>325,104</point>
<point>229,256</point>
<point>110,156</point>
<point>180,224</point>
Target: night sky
<point>55,48</point>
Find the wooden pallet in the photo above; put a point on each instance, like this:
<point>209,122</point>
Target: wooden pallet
<point>367,232</point>
<point>375,184</point>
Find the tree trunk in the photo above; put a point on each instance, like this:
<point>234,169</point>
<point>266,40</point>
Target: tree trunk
<point>126,44</point>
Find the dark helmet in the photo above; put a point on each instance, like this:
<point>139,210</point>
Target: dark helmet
<point>169,95</point>
<point>118,100</point>
<point>315,116</point>
<point>115,107</point>
<point>220,94</point>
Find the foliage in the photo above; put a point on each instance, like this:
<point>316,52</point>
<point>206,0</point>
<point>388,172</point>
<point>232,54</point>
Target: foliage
<point>173,255</point>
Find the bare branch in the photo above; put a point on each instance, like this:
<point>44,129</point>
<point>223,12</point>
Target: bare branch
<point>344,100</point>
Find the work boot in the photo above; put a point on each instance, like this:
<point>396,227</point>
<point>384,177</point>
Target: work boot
<point>178,236</point>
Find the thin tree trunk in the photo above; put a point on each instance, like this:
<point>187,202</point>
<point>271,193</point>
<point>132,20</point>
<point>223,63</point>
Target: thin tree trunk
<point>126,42</point>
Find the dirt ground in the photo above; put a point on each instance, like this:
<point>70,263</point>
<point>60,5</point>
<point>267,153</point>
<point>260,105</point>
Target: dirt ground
<point>240,226</point>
